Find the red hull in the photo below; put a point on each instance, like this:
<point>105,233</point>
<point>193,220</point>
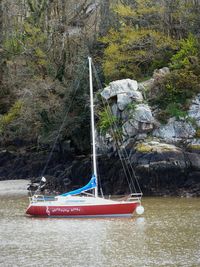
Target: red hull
<point>117,209</point>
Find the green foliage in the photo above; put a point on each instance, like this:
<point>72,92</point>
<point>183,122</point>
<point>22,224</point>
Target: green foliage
<point>37,8</point>
<point>143,13</point>
<point>34,45</point>
<point>175,92</point>
<point>31,43</point>
<point>106,120</point>
<point>174,110</point>
<point>179,87</point>
<point>132,53</point>
<point>182,84</point>
<point>197,135</point>
<point>8,118</point>
<point>147,37</point>
<point>13,45</point>
<point>189,49</point>
<point>131,106</point>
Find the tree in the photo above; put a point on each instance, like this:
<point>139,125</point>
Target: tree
<point>1,44</point>
<point>136,48</point>
<point>188,53</point>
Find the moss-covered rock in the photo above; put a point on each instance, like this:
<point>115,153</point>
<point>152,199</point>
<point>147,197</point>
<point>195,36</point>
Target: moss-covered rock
<point>154,146</point>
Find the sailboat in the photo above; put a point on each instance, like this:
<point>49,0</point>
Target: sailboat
<point>80,203</point>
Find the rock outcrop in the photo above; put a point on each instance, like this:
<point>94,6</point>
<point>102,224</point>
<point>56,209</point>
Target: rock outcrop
<point>165,157</point>
<point>175,131</point>
<point>127,105</point>
<point>194,110</point>
<point>125,91</point>
<point>141,121</point>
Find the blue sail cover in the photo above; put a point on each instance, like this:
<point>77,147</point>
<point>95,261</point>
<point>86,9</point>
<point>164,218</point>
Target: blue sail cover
<point>91,185</point>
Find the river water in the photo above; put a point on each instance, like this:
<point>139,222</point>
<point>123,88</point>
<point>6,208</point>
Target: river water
<point>167,234</point>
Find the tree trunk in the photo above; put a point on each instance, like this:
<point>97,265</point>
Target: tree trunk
<point>1,44</point>
<point>105,17</point>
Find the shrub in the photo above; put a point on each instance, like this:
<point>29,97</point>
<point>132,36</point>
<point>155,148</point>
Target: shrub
<point>133,53</point>
<point>13,113</point>
<point>188,50</point>
<point>106,120</point>
<point>174,110</point>
<point>177,88</point>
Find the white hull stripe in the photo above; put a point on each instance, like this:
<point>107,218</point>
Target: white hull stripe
<point>88,216</point>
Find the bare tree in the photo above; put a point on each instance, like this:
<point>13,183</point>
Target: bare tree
<point>105,16</point>
<point>1,44</point>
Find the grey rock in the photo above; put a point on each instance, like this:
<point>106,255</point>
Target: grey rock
<point>194,159</point>
<point>125,90</point>
<point>175,131</point>
<point>143,114</point>
<point>129,128</point>
<point>146,85</point>
<point>123,100</point>
<point>141,121</point>
<point>115,110</point>
<point>194,145</point>
<point>194,110</point>
<point>159,73</point>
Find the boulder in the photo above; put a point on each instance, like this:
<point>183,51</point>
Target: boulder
<point>146,85</point>
<point>141,121</point>
<point>194,110</point>
<point>115,110</point>
<point>194,146</point>
<point>130,128</point>
<point>160,73</point>
<point>194,159</point>
<point>125,91</point>
<point>175,131</point>
<point>143,113</point>
<point>123,100</point>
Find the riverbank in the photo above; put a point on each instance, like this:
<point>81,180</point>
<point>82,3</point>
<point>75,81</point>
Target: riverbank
<point>168,174</point>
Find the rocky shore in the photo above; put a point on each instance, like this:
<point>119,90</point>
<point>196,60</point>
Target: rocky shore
<point>165,156</point>
<point>162,170</point>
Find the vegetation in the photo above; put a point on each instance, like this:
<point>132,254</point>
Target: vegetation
<point>197,133</point>
<point>8,118</point>
<point>106,120</point>
<point>135,53</point>
<point>183,83</point>
<point>44,44</point>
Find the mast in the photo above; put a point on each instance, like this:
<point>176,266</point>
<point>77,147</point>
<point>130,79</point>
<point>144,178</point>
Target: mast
<point>92,124</point>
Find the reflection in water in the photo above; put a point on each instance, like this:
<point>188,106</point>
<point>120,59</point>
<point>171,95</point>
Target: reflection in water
<point>167,234</point>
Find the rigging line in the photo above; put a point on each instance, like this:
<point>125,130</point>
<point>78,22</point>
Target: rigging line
<point>119,136</point>
<point>64,120</point>
<point>99,180</point>
<point>124,152</point>
<point>118,150</point>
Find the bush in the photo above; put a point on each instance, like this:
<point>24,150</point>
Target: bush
<point>178,88</point>
<point>106,120</point>
<point>134,53</point>
<point>13,113</point>
<point>188,50</point>
<point>175,110</point>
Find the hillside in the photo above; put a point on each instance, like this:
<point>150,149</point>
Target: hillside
<point>44,96</point>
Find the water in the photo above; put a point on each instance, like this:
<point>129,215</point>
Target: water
<point>167,234</point>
